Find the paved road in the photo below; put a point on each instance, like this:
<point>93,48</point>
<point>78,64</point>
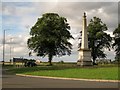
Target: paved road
<point>13,81</point>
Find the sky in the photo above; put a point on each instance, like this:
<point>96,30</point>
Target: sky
<point>18,18</point>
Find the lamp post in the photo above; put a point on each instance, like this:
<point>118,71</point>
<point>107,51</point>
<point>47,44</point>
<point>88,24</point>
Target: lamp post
<point>10,48</point>
<point>3,47</point>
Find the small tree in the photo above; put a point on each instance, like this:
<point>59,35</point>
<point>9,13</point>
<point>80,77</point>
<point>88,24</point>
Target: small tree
<point>117,42</point>
<point>49,36</point>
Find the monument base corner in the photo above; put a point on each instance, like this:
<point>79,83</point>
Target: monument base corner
<point>84,63</point>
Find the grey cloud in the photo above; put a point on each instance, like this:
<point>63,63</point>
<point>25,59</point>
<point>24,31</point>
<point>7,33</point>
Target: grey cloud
<point>8,10</point>
<point>110,54</point>
<point>73,11</point>
<point>110,10</point>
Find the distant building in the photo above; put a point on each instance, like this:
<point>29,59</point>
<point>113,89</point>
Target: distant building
<point>103,61</point>
<point>18,59</point>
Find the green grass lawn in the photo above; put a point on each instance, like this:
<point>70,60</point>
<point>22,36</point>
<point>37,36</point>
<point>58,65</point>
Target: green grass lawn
<point>71,71</point>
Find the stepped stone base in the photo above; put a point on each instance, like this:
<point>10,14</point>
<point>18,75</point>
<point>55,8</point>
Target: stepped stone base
<point>84,63</point>
<point>84,58</point>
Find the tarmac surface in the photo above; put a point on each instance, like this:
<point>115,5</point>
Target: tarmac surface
<point>14,81</point>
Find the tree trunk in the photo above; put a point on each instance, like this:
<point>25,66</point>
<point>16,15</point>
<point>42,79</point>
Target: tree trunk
<point>94,60</point>
<point>50,56</point>
<point>93,55</point>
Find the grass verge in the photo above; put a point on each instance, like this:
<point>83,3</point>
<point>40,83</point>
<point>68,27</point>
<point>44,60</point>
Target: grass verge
<point>70,71</point>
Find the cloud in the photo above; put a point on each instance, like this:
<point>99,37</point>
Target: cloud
<point>110,54</point>
<point>19,15</point>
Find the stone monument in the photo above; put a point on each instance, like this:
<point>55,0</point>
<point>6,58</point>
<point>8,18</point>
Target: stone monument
<point>84,52</point>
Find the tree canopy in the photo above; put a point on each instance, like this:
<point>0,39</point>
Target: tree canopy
<point>117,42</point>
<point>49,36</point>
<point>98,39</point>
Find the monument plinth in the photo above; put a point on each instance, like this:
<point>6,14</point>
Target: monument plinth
<point>84,52</point>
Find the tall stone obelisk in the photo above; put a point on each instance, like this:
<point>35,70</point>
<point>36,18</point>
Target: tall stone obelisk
<point>84,52</point>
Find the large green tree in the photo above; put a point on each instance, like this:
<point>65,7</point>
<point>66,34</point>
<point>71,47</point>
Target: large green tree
<point>117,42</point>
<point>49,36</point>
<point>98,38</point>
